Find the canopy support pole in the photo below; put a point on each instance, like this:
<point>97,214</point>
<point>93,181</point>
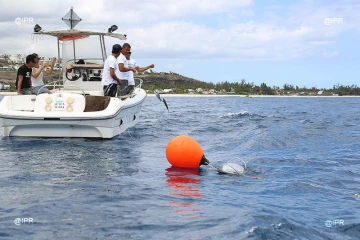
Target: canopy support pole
<point>102,48</point>
<point>103,40</point>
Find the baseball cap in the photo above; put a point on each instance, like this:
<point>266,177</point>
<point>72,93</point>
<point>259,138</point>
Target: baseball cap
<point>116,48</point>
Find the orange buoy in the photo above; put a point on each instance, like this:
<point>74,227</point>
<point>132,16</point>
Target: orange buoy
<point>185,152</point>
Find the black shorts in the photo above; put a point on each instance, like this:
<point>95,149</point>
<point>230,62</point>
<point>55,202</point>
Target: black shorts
<point>110,90</point>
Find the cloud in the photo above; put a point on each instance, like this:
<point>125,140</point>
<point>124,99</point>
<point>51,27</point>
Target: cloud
<point>173,66</point>
<point>169,29</point>
<point>331,54</point>
<point>174,9</point>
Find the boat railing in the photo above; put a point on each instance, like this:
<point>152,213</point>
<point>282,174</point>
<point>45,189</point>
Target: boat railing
<point>140,82</point>
<point>132,94</point>
<point>73,86</point>
<point>55,84</point>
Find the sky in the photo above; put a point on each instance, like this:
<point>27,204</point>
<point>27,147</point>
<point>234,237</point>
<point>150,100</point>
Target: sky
<point>304,43</point>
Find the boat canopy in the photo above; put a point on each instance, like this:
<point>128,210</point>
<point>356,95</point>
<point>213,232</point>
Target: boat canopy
<point>75,34</point>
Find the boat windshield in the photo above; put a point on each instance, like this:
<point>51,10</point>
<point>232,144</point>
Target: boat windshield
<point>87,51</point>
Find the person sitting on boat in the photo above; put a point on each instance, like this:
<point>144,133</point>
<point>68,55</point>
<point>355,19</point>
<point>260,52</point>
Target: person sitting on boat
<point>109,79</point>
<point>132,63</point>
<point>124,68</point>
<point>23,76</point>
<point>37,75</point>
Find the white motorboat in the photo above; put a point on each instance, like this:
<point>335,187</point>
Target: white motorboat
<point>77,107</point>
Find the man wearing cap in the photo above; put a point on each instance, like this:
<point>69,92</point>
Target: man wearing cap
<point>109,79</point>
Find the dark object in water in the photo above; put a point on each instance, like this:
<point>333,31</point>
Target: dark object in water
<point>204,161</point>
<point>231,168</point>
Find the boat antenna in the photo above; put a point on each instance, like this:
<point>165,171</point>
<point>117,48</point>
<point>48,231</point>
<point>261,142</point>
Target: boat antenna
<point>71,18</point>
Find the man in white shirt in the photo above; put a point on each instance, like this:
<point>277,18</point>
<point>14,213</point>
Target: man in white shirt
<point>123,64</point>
<point>109,79</point>
<point>132,63</point>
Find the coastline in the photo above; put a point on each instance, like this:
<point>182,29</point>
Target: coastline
<point>225,95</point>
<point>244,96</point>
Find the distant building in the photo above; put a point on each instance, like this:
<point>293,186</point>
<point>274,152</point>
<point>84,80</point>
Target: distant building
<point>168,91</point>
<point>3,61</point>
<point>17,58</point>
<point>45,59</point>
<point>6,68</point>
<point>4,87</point>
<point>20,59</point>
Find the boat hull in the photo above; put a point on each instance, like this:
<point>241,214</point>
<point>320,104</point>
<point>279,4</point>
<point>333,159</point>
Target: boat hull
<point>122,115</point>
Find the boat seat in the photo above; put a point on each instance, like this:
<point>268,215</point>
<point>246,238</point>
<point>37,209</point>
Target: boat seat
<point>96,103</point>
<point>21,102</point>
<point>59,102</point>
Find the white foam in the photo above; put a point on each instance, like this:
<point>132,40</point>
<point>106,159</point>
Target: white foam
<point>241,113</point>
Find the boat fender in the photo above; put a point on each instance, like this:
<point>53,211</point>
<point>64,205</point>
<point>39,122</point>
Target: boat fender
<point>48,108</point>
<point>69,101</point>
<point>48,100</point>
<point>69,108</point>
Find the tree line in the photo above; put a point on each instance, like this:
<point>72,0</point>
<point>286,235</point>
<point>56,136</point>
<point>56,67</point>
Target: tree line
<point>154,81</point>
<point>247,88</point>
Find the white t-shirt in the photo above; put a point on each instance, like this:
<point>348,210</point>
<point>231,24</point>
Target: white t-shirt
<point>123,75</point>
<point>110,62</point>
<point>36,82</point>
<point>132,63</point>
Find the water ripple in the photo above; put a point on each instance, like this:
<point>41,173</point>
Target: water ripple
<point>302,155</point>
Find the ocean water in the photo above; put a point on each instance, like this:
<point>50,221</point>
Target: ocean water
<point>303,157</point>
